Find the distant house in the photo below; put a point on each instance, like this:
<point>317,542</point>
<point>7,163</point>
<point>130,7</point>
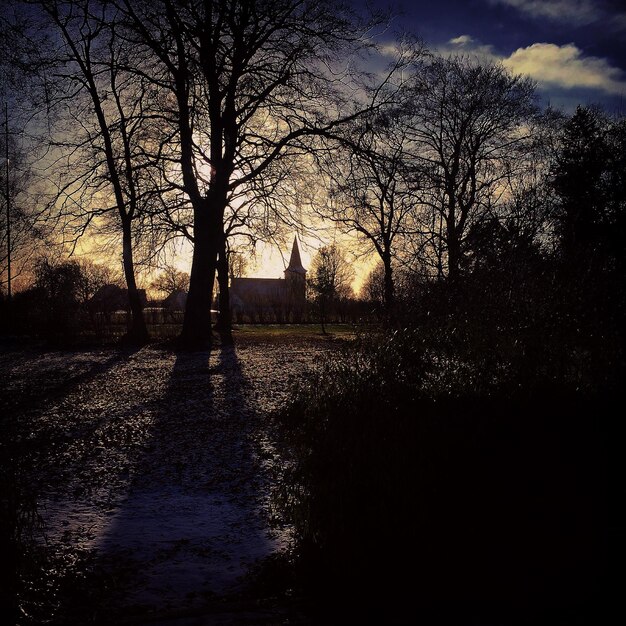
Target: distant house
<point>110,306</point>
<point>271,299</point>
<point>173,306</point>
<point>176,301</point>
<point>111,298</point>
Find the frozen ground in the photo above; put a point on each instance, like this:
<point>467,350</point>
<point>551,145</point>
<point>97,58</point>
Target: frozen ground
<point>158,465</point>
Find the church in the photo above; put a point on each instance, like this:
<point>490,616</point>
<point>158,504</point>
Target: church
<point>265,300</point>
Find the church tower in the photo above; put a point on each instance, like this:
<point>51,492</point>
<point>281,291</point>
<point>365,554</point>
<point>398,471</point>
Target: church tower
<point>295,278</point>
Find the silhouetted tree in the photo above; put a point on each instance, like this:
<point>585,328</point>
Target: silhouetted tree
<point>373,289</point>
<point>58,284</point>
<point>588,180</point>
<point>20,239</point>
<point>371,175</point>
<point>590,223</point>
<point>330,278</point>
<point>170,279</point>
<point>470,122</point>
<point>616,196</point>
<point>250,83</point>
<point>104,133</point>
<point>238,263</point>
<point>94,276</point>
<point>231,263</point>
<point>373,187</point>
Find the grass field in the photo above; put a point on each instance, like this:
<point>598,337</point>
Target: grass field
<point>252,332</point>
<point>293,331</point>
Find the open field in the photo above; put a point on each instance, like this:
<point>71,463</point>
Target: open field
<point>295,332</point>
<point>149,475</point>
<point>145,480</point>
<point>258,332</point>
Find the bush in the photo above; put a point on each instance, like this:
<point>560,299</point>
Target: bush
<point>413,496</point>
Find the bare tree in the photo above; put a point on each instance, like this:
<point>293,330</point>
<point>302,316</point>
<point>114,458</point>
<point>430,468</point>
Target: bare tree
<point>370,172</point>
<point>330,280</point>
<point>469,125</point>
<point>253,82</point>
<point>170,279</point>
<point>373,288</point>
<point>103,152</point>
<point>20,239</point>
<point>238,263</point>
<point>373,188</point>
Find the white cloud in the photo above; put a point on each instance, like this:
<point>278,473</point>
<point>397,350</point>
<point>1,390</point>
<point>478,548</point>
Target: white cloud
<point>575,11</point>
<point>565,66</point>
<point>550,65</point>
<point>578,12</point>
<point>461,40</point>
<point>465,44</point>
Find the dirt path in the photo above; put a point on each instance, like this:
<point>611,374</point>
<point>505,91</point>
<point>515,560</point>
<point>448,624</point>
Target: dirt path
<point>153,471</point>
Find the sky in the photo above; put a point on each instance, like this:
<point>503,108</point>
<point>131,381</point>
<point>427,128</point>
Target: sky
<point>574,49</point>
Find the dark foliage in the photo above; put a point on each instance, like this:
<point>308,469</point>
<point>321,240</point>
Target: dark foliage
<point>415,496</point>
<point>51,308</point>
<point>464,468</point>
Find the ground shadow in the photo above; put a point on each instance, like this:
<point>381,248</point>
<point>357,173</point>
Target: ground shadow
<point>191,524</point>
<point>49,381</point>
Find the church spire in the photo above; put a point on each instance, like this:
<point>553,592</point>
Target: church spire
<point>295,264</point>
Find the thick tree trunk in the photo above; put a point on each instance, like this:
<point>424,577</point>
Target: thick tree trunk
<point>196,333</point>
<point>389,286</point>
<point>138,332</point>
<point>224,321</point>
<point>453,245</point>
<point>453,236</point>
<point>454,259</point>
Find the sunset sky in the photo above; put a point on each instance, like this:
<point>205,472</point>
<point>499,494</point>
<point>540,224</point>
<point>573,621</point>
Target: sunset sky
<point>573,49</point>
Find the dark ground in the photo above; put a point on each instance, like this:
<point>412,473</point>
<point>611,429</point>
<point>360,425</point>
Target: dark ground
<point>145,481</point>
<point>148,475</point>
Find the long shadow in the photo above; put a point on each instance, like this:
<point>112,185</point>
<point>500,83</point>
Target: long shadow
<point>190,525</point>
<point>45,427</point>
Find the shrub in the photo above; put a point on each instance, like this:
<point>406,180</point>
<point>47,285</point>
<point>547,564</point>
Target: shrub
<point>411,493</point>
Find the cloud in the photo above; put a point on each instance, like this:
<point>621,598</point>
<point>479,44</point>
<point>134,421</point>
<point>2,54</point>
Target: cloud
<point>462,40</point>
<point>465,44</point>
<point>578,12</point>
<point>619,21</point>
<point>550,65</point>
<point>565,66</point>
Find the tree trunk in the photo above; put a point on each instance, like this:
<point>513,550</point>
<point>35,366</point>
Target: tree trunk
<point>138,332</point>
<point>389,287</point>
<point>454,255</point>
<point>224,321</point>
<point>196,333</point>
<point>323,314</point>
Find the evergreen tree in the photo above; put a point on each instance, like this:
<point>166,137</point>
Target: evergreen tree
<point>578,181</point>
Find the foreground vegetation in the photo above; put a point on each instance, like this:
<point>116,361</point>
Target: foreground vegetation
<point>412,491</point>
<point>461,466</point>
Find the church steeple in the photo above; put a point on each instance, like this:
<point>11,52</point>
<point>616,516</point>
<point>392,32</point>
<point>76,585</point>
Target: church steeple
<point>295,263</point>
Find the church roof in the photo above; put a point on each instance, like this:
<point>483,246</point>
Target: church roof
<point>295,264</point>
